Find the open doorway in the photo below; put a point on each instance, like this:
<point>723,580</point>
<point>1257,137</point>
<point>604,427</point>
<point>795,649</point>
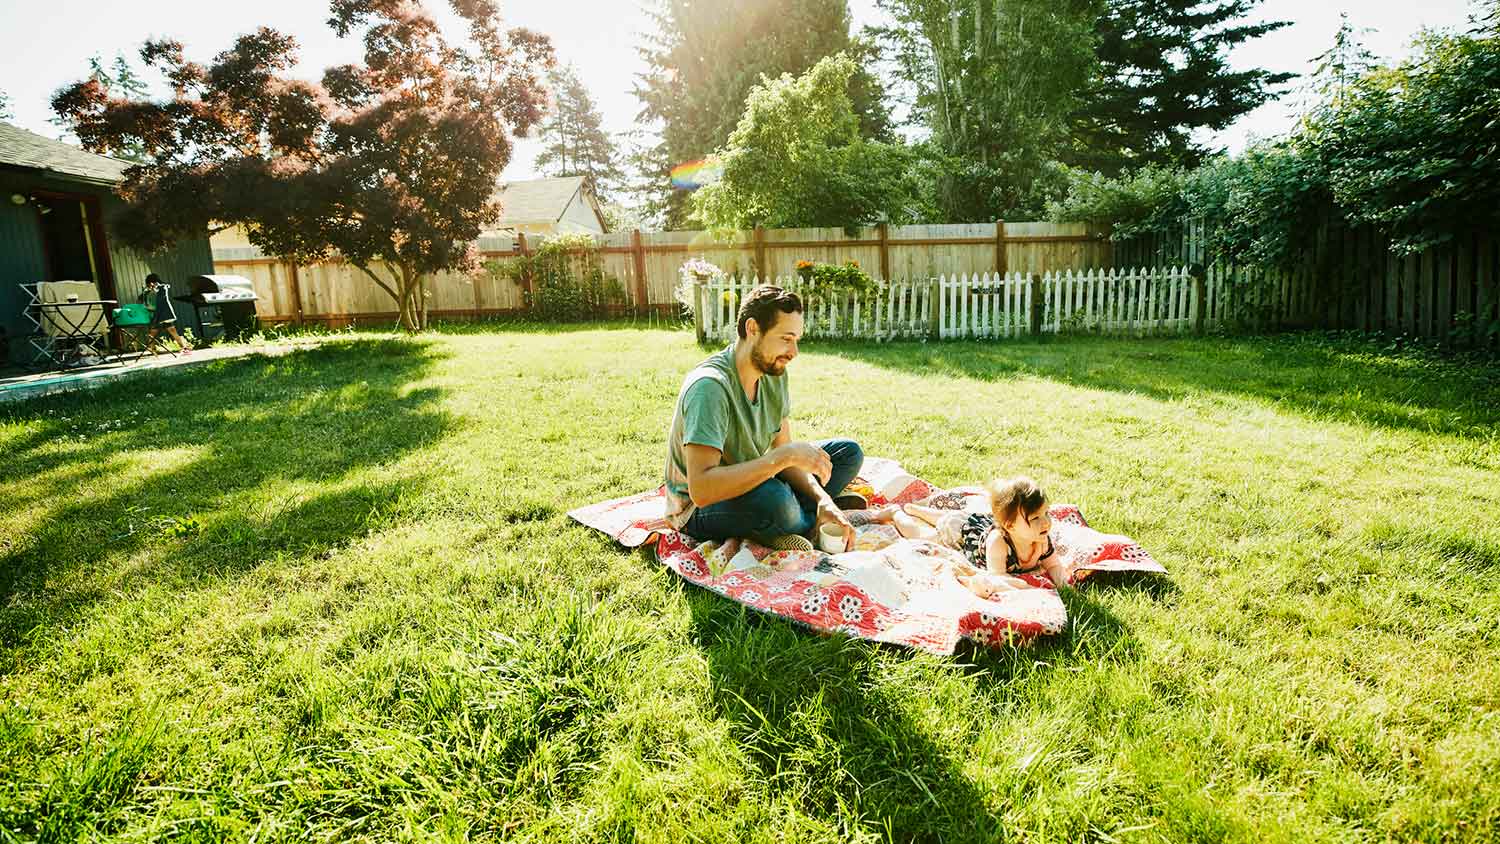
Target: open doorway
<point>73,240</point>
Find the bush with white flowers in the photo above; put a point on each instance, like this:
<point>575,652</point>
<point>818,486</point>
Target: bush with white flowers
<point>693,272</point>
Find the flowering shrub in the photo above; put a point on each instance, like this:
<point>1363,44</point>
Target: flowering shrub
<point>693,272</point>
<point>568,281</point>
<point>833,280</point>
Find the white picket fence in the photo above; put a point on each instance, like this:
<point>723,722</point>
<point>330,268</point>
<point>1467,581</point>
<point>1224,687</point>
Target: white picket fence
<point>1137,302</point>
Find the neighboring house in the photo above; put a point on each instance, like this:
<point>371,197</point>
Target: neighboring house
<point>543,207</point>
<point>56,205</point>
<point>535,208</point>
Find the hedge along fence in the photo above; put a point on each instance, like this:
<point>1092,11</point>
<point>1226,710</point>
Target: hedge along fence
<point>1128,302</point>
<point>645,266</point>
<point>1351,279</point>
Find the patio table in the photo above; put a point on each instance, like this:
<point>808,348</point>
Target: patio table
<point>76,320</point>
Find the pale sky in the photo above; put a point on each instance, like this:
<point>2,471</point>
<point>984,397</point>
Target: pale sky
<point>48,43</point>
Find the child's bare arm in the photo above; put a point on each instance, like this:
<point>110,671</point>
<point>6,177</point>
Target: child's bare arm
<point>930,515</point>
<point>1057,570</point>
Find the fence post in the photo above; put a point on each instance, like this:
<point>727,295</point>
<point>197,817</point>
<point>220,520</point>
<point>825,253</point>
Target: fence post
<point>1001,259</point>
<point>885,252</point>
<point>478,305</point>
<point>934,325</point>
<point>700,304</point>
<point>638,256</point>
<point>1200,297</point>
<point>1037,305</point>
<point>526,274</point>
<point>761,270</point>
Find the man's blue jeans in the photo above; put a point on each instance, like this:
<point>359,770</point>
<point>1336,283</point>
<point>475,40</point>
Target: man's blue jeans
<point>774,509</point>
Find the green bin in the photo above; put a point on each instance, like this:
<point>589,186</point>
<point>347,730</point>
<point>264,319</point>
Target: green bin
<point>132,314</point>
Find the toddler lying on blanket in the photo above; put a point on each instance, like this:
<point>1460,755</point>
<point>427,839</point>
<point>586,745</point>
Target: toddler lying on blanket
<point>1010,538</point>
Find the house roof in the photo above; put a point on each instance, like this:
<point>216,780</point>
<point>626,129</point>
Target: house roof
<point>28,150</point>
<point>541,200</point>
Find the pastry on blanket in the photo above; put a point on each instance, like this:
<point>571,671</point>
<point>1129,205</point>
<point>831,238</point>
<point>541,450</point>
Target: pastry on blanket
<point>970,499</point>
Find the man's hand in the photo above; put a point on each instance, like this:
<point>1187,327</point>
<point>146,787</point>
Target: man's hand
<point>809,458</point>
<point>830,514</point>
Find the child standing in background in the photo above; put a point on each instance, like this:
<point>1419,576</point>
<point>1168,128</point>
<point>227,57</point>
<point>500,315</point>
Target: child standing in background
<point>162,316</point>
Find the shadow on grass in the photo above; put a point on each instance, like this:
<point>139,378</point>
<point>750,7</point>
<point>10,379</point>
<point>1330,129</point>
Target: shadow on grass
<point>504,324</point>
<point>1348,380</point>
<point>814,714</point>
<point>1448,551</point>
<point>808,709</point>
<point>191,461</point>
<point>1094,634</point>
<point>529,325</point>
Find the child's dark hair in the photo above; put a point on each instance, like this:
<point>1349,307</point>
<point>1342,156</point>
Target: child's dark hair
<point>152,278</point>
<point>1012,497</point>
<point>763,304</point>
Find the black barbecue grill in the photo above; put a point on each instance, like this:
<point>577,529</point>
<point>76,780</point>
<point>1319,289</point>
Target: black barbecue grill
<point>223,306</point>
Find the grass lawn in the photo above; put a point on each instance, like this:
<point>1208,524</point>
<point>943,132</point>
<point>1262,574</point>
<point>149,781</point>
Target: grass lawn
<point>334,596</point>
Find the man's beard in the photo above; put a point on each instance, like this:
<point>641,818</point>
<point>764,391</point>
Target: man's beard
<point>767,367</point>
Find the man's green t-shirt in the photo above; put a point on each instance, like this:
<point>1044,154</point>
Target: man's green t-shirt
<point>713,410</point>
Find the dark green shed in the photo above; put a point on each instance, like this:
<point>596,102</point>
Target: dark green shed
<point>56,204</point>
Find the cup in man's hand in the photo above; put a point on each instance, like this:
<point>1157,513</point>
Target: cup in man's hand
<point>831,538</point>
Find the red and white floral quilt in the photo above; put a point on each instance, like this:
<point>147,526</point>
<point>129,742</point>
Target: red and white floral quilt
<point>888,589</point>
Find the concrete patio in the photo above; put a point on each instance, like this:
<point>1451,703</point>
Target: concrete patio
<point>18,386</point>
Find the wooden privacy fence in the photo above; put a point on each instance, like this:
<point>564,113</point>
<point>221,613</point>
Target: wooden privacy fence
<point>645,264</point>
<point>1132,302</point>
<point>1350,279</point>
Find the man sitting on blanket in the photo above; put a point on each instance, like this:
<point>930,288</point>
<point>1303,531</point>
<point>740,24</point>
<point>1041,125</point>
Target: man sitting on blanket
<point>732,467</point>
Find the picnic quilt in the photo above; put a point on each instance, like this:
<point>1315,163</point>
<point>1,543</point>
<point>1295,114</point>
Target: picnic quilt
<point>888,589</point>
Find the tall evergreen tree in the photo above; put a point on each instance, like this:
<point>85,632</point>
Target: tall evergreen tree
<point>1163,72</point>
<point>994,82</point>
<point>706,55</point>
<point>576,143</point>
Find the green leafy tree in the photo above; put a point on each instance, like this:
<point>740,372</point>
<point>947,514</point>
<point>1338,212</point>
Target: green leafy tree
<point>704,57</point>
<point>1416,148</point>
<point>797,159</point>
<point>1411,149</point>
<point>1339,68</point>
<point>390,164</point>
<point>621,218</point>
<point>1163,72</point>
<point>1261,208</point>
<point>576,143</point>
<point>1145,201</point>
<point>994,82</point>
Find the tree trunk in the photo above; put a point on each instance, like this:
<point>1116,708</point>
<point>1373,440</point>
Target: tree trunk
<point>422,297</point>
<point>401,292</point>
<point>413,321</point>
